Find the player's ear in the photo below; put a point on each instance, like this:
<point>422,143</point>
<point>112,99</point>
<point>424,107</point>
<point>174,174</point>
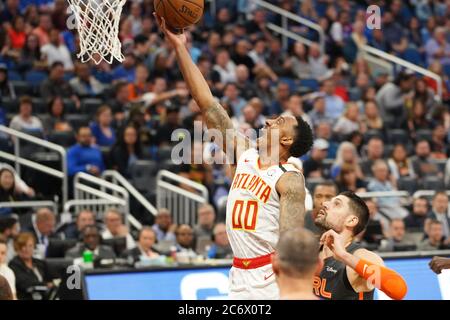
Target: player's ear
<point>352,221</point>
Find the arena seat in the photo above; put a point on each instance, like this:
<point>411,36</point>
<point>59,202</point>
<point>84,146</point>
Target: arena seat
<point>424,134</point>
<point>433,183</point>
<point>78,120</point>
<point>21,88</point>
<point>398,136</point>
<point>14,76</point>
<point>63,138</point>
<point>35,78</point>
<point>407,184</point>
<point>90,105</point>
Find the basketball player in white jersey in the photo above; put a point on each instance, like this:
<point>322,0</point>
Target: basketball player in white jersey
<point>267,195</point>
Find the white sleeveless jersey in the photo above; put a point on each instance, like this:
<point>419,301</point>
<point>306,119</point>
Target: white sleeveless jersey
<point>253,207</point>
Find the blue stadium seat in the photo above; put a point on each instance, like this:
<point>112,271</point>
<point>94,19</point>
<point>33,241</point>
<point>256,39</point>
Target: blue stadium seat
<point>14,76</point>
<point>291,82</point>
<point>35,77</point>
<point>312,84</point>
<point>413,56</point>
<point>447,69</point>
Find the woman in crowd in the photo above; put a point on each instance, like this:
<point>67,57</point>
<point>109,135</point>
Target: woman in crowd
<point>56,120</point>
<point>348,181</point>
<point>126,151</point>
<point>102,130</point>
<point>29,271</point>
<point>399,163</point>
<point>7,189</point>
<point>346,154</point>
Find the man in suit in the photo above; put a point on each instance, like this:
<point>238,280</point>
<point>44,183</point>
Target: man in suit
<point>91,241</point>
<point>146,240</point>
<point>43,229</point>
<point>84,218</point>
<point>439,212</point>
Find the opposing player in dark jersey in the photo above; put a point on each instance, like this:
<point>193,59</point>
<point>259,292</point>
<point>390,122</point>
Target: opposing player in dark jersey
<point>351,272</point>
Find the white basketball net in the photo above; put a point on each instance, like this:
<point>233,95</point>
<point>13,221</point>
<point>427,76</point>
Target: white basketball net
<point>98,27</point>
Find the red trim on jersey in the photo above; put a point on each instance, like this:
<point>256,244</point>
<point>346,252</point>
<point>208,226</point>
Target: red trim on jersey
<point>252,263</point>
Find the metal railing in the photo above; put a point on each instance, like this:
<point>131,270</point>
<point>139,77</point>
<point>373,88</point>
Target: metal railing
<point>30,204</point>
<point>98,195</point>
<point>18,160</point>
<point>384,194</point>
<point>427,193</point>
<point>116,178</point>
<point>181,202</point>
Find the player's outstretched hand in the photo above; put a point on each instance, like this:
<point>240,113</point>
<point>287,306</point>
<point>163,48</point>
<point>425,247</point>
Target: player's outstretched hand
<point>437,264</point>
<point>335,243</point>
<point>174,39</point>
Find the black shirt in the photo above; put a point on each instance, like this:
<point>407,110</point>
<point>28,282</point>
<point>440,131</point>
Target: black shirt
<point>333,284</point>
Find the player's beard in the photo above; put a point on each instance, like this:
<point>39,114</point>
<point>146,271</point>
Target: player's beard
<point>321,221</point>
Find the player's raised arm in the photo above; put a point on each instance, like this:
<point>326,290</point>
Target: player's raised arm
<point>214,114</point>
<point>291,187</point>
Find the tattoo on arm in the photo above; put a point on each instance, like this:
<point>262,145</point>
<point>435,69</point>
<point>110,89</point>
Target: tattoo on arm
<point>292,201</point>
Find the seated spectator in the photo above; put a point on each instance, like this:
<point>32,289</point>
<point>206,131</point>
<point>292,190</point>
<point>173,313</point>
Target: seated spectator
<point>372,119</point>
<point>25,121</point>
<point>163,227</point>
<point>417,119</point>
<point>346,154</point>
<point>334,105</point>
<point>91,241</point>
<point>377,225</point>
<point>144,247</point>
<point>29,271</point>
<point>185,240</point>
<point>348,122</point>
<point>206,217</point>
<point>323,131</point>
<point>56,120</point>
<point>281,99</point>
<point>323,192</point>
<point>9,230</point>
<point>6,271</point>
<point>347,180</point>
<point>231,96</point>
<point>438,48</point>
<point>126,151</point>
<point>415,221</point>
<point>313,166</point>
<point>439,211</point>
<point>224,70</point>
<point>298,63</point>
<point>84,84</point>
<point>422,163</point>
<point>221,248</point>
<point>251,117</point>
<point>30,56</point>
<point>381,182</point>
<point>317,61</point>
<point>56,51</point>
<point>375,151</point>
<point>439,145</point>
<point>42,31</point>
<point>7,190</point>
<point>126,70</point>
<point>119,103</point>
<point>55,85</point>
<point>435,239</point>
<point>115,228</point>
<point>140,85</point>
<point>6,87</point>
<point>5,290</point>
<point>173,122</point>
<point>17,34</point>
<point>43,229</point>
<point>294,108</point>
<point>396,240</point>
<point>101,129</point>
<point>244,85</point>
<point>399,163</point>
<point>84,218</point>
<point>84,157</point>
<point>318,113</point>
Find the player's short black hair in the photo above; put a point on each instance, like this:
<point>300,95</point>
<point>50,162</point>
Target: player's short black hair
<point>303,140</point>
<point>359,208</point>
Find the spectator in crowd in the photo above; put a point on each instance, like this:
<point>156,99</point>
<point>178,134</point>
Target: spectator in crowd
<point>5,289</point>
<point>83,219</point>
<point>392,97</point>
<point>56,51</point>
<point>313,166</point>
<point>435,239</point>
<point>9,230</point>
<point>42,31</point>
<point>323,192</point>
<point>16,33</point>
<point>375,151</point>
<point>6,87</point>
<point>84,157</point>
<point>381,182</point>
<point>323,131</point>
<point>251,117</point>
<point>241,56</point>
<point>224,71</point>
<point>294,108</point>
<point>231,96</point>
<point>126,151</point>
<point>346,155</point>
<point>399,163</point>
<point>317,61</point>
<point>7,190</point>
<point>29,271</point>
<point>415,221</point>
<point>164,228</point>
<point>173,122</point>
<point>84,84</point>
<point>377,226</point>
<point>140,85</point>
<point>295,263</point>
<point>185,239</point>
<point>298,63</point>
<point>101,129</point>
<point>43,229</point>
<point>439,145</point>
<point>281,99</point>
<point>119,103</point>
<point>422,163</point>
<point>6,271</point>
<point>318,114</point>
<point>220,249</point>
<point>334,105</point>
<point>115,228</point>
<point>144,248</point>
<point>371,119</point>
<point>397,241</point>
<point>30,56</point>
<point>91,241</point>
<point>439,211</point>
<point>206,217</point>
<point>417,119</point>
<point>56,118</point>
<point>438,48</point>
<point>126,70</point>
<point>349,121</point>
<point>25,121</point>
<point>55,85</point>
<point>347,180</point>
<point>19,185</point>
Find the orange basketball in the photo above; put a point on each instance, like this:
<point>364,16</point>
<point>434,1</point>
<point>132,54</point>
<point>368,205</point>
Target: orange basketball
<point>179,14</point>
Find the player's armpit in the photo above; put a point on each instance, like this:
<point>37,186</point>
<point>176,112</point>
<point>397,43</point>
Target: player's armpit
<point>291,188</point>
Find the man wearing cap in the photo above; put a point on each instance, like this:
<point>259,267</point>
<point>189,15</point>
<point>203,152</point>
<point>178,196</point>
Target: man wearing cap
<point>313,165</point>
